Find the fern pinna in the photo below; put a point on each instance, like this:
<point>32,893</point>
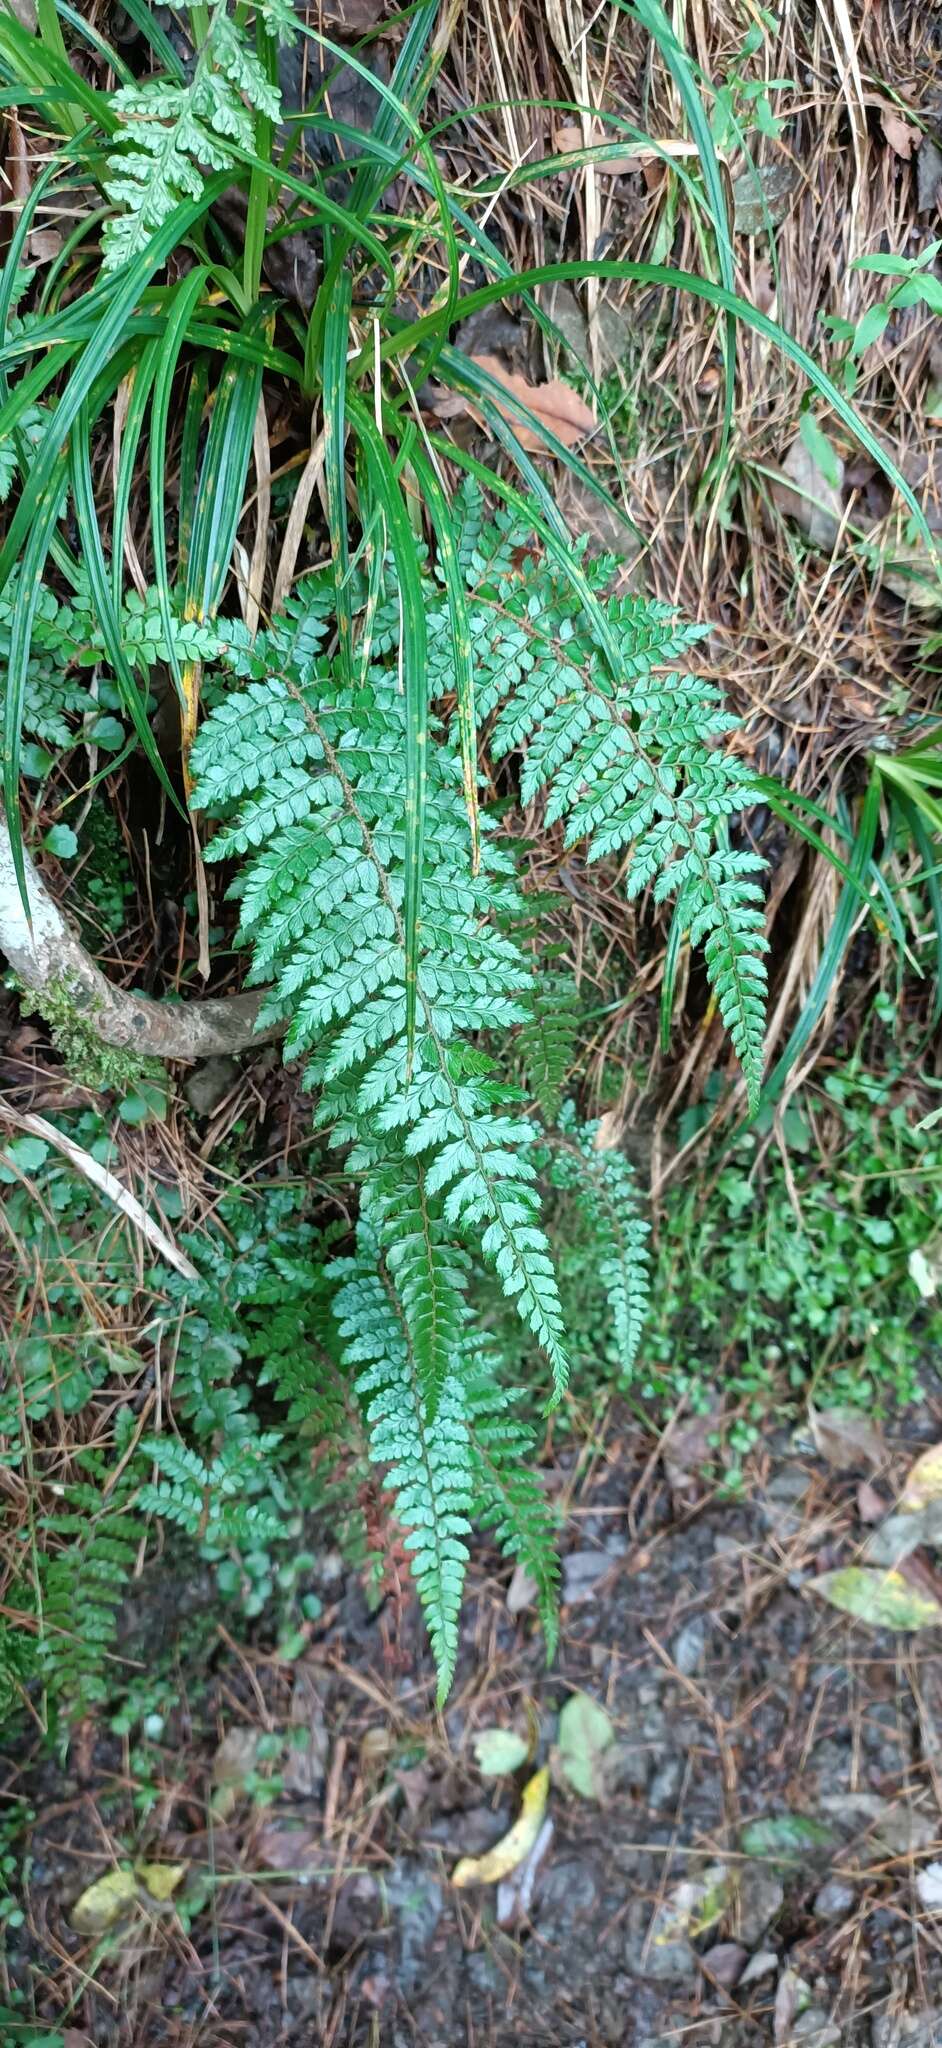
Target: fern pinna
<point>304,765</point>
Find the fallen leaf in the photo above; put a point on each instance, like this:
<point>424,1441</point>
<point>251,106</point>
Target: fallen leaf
<point>499,1750</point>
<point>762,197</point>
<point>883,1599</point>
<point>784,1837</point>
<point>901,135</point>
<point>845,1438</point>
<point>925,1264</point>
<point>871,1506</point>
<point>161,1880</point>
<point>807,497</point>
<point>521,1592</point>
<point>792,1996</point>
<point>585,1736</point>
<point>554,405</point>
<point>512,1847</point>
<point>928,175</point>
<point>104,1902</point>
<point>515,1893</point>
<point>694,1905</point>
<point>233,1763</point>
<point>929,1887</point>
<point>923,1481</point>
<point>901,1534</point>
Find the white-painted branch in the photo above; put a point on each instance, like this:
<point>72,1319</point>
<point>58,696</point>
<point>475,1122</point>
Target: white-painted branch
<point>46,955</point>
<point>107,1183</point>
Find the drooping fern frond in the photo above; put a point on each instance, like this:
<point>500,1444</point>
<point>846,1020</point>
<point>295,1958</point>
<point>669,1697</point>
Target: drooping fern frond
<point>629,763</point>
<point>604,1182</point>
<point>213,1501</point>
<point>317,771</point>
<point>173,133</point>
<point>427,1456</point>
<point>508,1498</point>
<point>93,1543</point>
<point>303,765</point>
<point>545,1043</point>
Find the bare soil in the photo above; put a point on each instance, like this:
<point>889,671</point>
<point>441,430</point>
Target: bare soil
<point>328,1914</point>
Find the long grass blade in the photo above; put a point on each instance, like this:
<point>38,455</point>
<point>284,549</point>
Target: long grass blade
<point>836,944</point>
<point>388,496</point>
<point>334,378</point>
<point>410,337</point>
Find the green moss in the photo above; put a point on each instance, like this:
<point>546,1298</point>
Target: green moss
<point>76,1040</point>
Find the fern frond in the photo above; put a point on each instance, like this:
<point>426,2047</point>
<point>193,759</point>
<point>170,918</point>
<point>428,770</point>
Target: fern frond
<point>171,134</point>
<point>213,1502</point>
<point>545,1042</point>
<point>94,1540</point>
<point>628,765</point>
<point>508,1498</point>
<point>322,905</point>
<point>427,1456</point>
<point>605,1183</point>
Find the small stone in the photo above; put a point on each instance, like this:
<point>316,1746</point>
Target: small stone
<point>649,1954</point>
<point>815,2027</point>
<point>210,1082</point>
<point>582,1570</point>
<point>665,1784</point>
<point>724,1962</point>
<point>760,1965</point>
<point>834,1900</point>
<point>689,1645</point>
<point>761,1897</point>
<point>908,2029</point>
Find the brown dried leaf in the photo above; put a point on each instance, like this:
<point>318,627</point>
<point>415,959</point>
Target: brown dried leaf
<point>555,404</point>
<point>902,137</point>
<point>845,1439</point>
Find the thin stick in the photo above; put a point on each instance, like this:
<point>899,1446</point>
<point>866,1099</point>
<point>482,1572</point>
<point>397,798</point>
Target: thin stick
<point>107,1184</point>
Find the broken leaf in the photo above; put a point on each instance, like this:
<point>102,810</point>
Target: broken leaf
<point>782,1837</point>
<point>515,1893</point>
<point>161,1879</point>
<point>512,1847</point>
<point>499,1750</point>
<point>554,405</point>
<point>899,1535</point>
<point>233,1764</point>
<point>923,1481</point>
<point>585,1735</point>
<point>104,1902</point>
<point>808,497</point>
<point>762,197</point>
<point>521,1592</point>
<point>901,135</point>
<point>845,1438</point>
<point>883,1599</point>
<point>694,1905</point>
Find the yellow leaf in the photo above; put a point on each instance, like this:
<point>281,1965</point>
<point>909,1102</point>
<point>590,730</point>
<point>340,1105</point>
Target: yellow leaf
<point>512,1847</point>
<point>924,1483</point>
<point>161,1879</point>
<point>104,1902</point>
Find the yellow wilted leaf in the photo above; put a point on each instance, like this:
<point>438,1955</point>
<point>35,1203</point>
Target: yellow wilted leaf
<point>924,1482</point>
<point>161,1879</point>
<point>512,1847</point>
<point>104,1902</point>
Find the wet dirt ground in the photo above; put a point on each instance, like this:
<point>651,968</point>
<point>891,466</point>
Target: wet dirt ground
<point>319,1807</point>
